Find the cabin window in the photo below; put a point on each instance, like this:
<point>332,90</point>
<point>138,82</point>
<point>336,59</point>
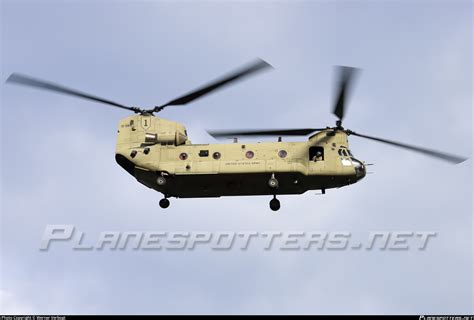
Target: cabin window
<point>183,156</point>
<point>216,155</point>
<point>316,154</point>
<point>249,154</point>
<point>282,154</point>
<point>204,153</point>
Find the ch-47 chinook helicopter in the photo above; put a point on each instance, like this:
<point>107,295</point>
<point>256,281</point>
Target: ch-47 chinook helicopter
<point>158,153</point>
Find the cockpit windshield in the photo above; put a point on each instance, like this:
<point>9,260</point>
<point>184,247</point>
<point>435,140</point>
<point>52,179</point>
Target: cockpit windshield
<point>343,152</point>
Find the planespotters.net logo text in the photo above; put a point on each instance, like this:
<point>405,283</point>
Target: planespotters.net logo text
<point>55,236</point>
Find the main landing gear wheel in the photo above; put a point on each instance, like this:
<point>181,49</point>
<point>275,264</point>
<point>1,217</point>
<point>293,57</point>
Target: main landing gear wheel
<point>273,182</point>
<point>275,204</point>
<point>161,181</point>
<point>164,203</point>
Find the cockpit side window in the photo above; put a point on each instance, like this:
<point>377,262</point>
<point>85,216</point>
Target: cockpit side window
<point>316,154</point>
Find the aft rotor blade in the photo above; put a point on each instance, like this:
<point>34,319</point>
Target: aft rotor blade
<point>279,132</point>
<point>252,68</point>
<point>25,80</point>
<point>345,81</point>
<point>432,153</point>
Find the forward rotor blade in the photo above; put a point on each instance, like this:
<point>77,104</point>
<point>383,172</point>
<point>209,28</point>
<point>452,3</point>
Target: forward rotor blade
<point>254,67</point>
<point>345,81</point>
<point>280,132</point>
<point>25,80</point>
<point>432,153</point>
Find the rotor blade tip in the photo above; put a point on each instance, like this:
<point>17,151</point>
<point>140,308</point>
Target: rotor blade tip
<point>459,160</point>
<point>11,78</point>
<point>266,64</point>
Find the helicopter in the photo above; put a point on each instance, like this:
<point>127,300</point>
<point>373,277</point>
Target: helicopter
<point>158,153</point>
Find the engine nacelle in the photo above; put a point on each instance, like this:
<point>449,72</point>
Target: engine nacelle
<point>176,138</point>
<point>139,130</point>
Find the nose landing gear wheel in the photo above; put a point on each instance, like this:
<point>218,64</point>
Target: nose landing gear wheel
<point>275,204</point>
<point>161,181</point>
<point>273,182</point>
<point>164,203</point>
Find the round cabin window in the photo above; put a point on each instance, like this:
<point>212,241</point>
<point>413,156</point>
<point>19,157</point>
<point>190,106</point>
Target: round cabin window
<point>249,154</point>
<point>282,154</point>
<point>183,156</point>
<point>216,155</point>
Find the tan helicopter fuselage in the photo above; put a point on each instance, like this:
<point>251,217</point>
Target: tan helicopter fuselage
<point>149,147</point>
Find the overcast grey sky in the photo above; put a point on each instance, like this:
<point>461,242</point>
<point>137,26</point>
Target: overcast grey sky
<point>58,162</point>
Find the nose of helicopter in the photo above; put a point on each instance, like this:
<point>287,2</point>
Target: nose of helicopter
<point>359,169</point>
